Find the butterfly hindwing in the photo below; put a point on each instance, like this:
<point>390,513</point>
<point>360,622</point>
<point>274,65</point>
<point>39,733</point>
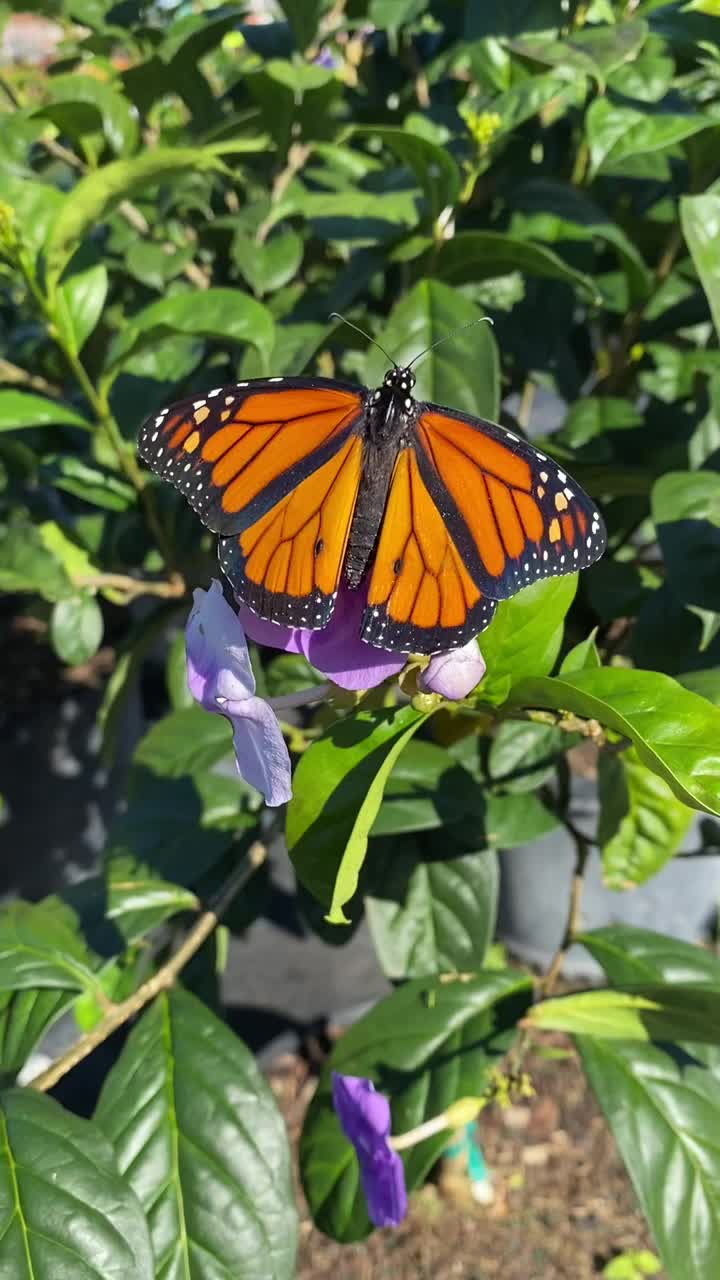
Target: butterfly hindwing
<point>237,450</point>
<point>514,514</point>
<point>421,597</point>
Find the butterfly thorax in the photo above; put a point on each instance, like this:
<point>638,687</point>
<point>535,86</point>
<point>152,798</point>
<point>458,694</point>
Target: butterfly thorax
<point>388,425</point>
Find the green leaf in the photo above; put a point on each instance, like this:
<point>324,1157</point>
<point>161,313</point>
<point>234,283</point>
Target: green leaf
<point>430,913</point>
<point>80,300</point>
<point>25,1016</point>
<point>463,373</point>
<point>706,683</point>
<point>36,204</point>
<point>513,819</point>
<point>128,666</point>
<point>390,15</point>
<point>664,1117</point>
<point>270,265</point>
<point>22,409</point>
<point>76,628</point>
<point>426,1045</point>
<point>478,255</point>
<point>26,564</point>
<point>304,18</point>
<point>176,675</point>
<point>686,512</point>
<point>583,657</point>
<point>337,791</point>
<point>426,790</point>
<point>64,1209</point>
<point>434,167</point>
<point>40,946</point>
<point>187,741</point>
<point>615,133</point>
<point>700,220</point>
<point>226,314</point>
<point>88,481</point>
<point>642,823</point>
<point>630,956</point>
<point>114,113</point>
<point>651,1012</point>
<point>94,197</point>
<point>593,415</point>
<point>525,635</point>
<point>596,51</point>
<point>124,902</point>
<point>203,1146</point>
<point>523,755</point>
<point>674,731</point>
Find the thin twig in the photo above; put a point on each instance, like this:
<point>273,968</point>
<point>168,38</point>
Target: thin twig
<point>165,977</point>
<point>172,589</point>
<point>582,851</point>
<point>16,376</point>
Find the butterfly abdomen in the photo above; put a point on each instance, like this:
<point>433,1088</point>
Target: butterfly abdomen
<point>378,465</point>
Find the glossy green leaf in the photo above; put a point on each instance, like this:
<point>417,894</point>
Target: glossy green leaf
<point>124,902</point>
<point>95,196</point>
<point>65,1212</point>
<point>525,635</point>
<point>594,51</point>
<point>673,730</point>
<point>615,133</point>
<point>114,113</point>
<point>429,912</point>
<point>593,415</point>
<point>650,1012</point>
<point>642,823</point>
<point>706,683</point>
<point>434,167</point>
<point>477,255</point>
<point>27,564</point>
<point>80,300</point>
<point>25,1016</point>
<point>462,373</point>
<point>426,1045</point>
<point>583,657</point>
<point>88,481</point>
<point>190,740</point>
<point>76,628</point>
<point>203,1146</point>
<point>513,818</point>
<point>270,265</point>
<point>630,955</point>
<point>664,1116</point>
<point>337,792</point>
<point>390,15</point>
<point>40,946</point>
<point>35,205</point>
<point>226,314</point>
<point>700,219</point>
<point>23,409</point>
<point>686,512</point>
<point>523,755</point>
<point>304,18</point>
<point>426,790</point>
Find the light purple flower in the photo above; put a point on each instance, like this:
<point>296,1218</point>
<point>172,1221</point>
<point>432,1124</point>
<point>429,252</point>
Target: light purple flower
<point>220,678</point>
<point>337,650</point>
<point>364,1116</point>
<point>455,673</point>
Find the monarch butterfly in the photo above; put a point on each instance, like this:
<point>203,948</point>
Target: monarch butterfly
<point>309,481</point>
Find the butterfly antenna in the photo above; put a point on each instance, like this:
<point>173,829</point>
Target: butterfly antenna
<point>335,315</point>
<point>451,334</point>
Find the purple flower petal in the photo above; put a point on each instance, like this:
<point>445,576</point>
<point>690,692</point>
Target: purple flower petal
<point>220,678</point>
<point>337,650</point>
<point>455,673</point>
<point>364,1116</point>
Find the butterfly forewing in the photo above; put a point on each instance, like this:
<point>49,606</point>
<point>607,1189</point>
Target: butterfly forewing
<point>514,514</point>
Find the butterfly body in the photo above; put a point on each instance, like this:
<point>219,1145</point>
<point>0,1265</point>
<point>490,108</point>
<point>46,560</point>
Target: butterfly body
<point>312,483</point>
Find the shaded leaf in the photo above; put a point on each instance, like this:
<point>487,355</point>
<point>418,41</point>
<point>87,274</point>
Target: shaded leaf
<point>76,628</point>
<point>477,255</point>
<point>641,824</point>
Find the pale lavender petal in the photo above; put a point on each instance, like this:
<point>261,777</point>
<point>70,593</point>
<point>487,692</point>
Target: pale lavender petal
<point>260,749</point>
<point>364,1117</point>
<point>220,678</point>
<point>455,673</point>
<point>336,650</point>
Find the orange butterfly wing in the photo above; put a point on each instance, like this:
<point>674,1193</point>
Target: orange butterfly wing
<point>514,514</point>
<point>421,597</point>
<point>274,466</point>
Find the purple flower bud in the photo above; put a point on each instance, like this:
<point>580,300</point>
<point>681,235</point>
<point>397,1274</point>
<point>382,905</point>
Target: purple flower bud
<point>220,678</point>
<point>455,673</point>
<point>364,1116</point>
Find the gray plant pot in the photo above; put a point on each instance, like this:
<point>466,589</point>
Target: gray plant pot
<point>681,900</point>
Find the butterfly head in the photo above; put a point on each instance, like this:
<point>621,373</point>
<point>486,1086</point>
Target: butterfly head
<point>399,381</point>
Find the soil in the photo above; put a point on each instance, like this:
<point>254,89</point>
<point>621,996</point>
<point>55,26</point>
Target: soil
<point>563,1206</point>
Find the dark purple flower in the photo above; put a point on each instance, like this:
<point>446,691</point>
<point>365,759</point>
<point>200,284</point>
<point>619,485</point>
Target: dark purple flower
<point>454,673</point>
<point>364,1116</point>
<point>220,678</point>
<point>337,651</point>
